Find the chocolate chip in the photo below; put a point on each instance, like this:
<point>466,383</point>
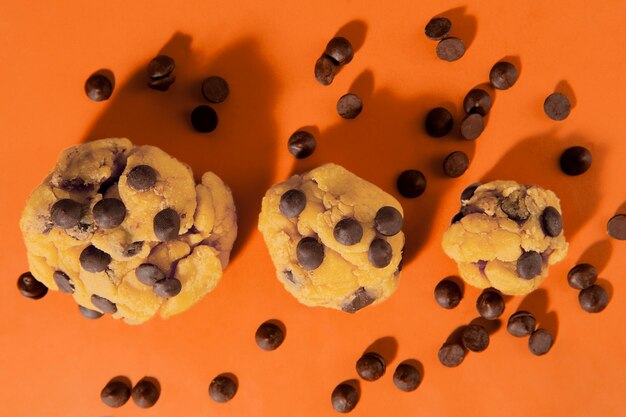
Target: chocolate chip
<point>340,50</point>
<point>451,354</point>
<point>76,185</point>
<point>301,144</point>
<point>167,287</point>
<point>89,313</point>
<point>98,87</point>
<point>469,191</point>
<point>593,299</point>
<point>310,253</point>
<point>438,122</point>
<point>388,221</point>
<point>66,213</point>
<point>146,392</point>
<point>349,106</point>
<point>269,336</point>
<point>521,324</point>
<point>582,276</point>
<point>514,205</point>
<point>215,89</point>
<point>490,304</point>
<point>141,178</point>
<point>477,101</point>
<point>557,106</point>
<point>371,366</point>
<point>160,66</point>
<point>406,377</point>
<point>455,164</point>
<point>149,274</point>
<point>115,393</point>
<point>503,75</point>
<point>437,28</point>
<point>133,249</point>
<point>292,203</point>
<point>450,49</point>
<point>204,119</point>
<point>348,231</point>
<point>575,160</point>
<point>616,227</point>
<point>457,217</point>
<point>540,342</point>
<point>163,83</point>
<point>93,259</point>
<point>472,126</point>
<point>63,282</point>
<point>379,253</point>
<point>529,265</point>
<point>109,213</point>
<point>222,389</point>
<point>166,224</point>
<point>551,221</point>
<point>325,70</point>
<point>411,183</point>
<point>360,300</point>
<point>475,338</point>
<point>103,304</point>
<point>344,398</point>
<point>29,287</point>
<point>448,294</point>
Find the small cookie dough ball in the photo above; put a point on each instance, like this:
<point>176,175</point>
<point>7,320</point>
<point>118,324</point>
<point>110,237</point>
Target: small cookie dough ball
<point>506,235</point>
<point>335,239</point>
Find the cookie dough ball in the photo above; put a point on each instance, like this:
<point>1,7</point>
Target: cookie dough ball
<point>126,230</point>
<point>506,235</point>
<point>335,239</point>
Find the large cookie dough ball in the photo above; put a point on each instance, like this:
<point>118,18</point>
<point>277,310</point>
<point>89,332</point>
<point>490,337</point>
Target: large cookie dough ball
<point>335,239</point>
<point>126,230</point>
<point>506,235</point>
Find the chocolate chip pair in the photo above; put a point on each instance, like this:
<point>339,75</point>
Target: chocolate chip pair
<point>204,117</point>
<point>449,48</point>
<point>118,391</point>
<point>160,72</point>
<point>592,298</point>
<point>338,52</point>
<point>162,285</point>
<point>522,324</point>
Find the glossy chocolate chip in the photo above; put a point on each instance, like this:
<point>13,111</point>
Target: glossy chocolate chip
<point>490,304</point>
<point>63,281</point>
<point>616,227</point>
<point>540,342</point>
<point>103,304</point>
<point>89,313</point>
<point>292,202</point>
<point>411,183</point>
<point>340,50</point>
<point>478,101</point>
<point>475,338</point>
<point>160,66</point>
<point>115,393</point>
<point>109,213</point>
<point>146,392</point>
<point>149,274</point>
<point>438,122</point>
<point>163,83</point>
<point>348,231</point>
<point>29,287</point>
<point>469,191</point>
<point>269,336</point>
<point>455,164</point>
<point>301,144</point>
<point>448,294</point>
<point>521,324</point>
<point>371,366</point>
<point>529,265</point>
<point>98,87</point>
<point>582,276</point>
<point>349,106</point>
<point>310,253</point>
<point>344,398</point>
<point>503,75</point>
<point>437,28</point>
<point>551,221</point>
<point>450,49</point>
<point>514,205</point>
<point>204,119</point>
<point>593,299</point>
<point>575,160</point>
<point>406,377</point>
<point>361,299</point>
<point>557,106</point>
<point>379,253</point>
<point>215,89</point>
<point>93,259</point>
<point>222,389</point>
<point>388,221</point>
<point>451,354</point>
<point>166,224</point>
<point>167,287</point>
<point>141,178</point>
<point>325,70</point>
<point>66,213</point>
<point>472,126</point>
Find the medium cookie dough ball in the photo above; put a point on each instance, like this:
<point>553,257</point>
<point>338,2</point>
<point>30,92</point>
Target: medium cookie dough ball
<point>506,235</point>
<point>335,239</point>
<point>126,230</point>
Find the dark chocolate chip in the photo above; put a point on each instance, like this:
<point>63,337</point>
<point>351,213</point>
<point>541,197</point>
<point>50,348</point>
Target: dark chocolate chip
<point>438,122</point>
<point>166,224</point>
<point>521,324</point>
<point>215,89</point>
<point>89,313</point>
<point>438,28</point>
<point>222,389</point>
<point>348,231</point>
<point>29,287</point>
<point>469,191</point>
<point>115,393</point>
<point>98,87</point>
<point>455,164</point>
<point>361,300</point>
<point>133,249</point>
<point>448,294</point>
<point>379,253</point>
<point>167,287</point>
<point>371,366</point>
<point>540,342</point>
<point>325,70</point>
<point>141,178</point>
<point>457,217</point>
<point>340,50</point>
<point>472,126</point>
<point>149,274</point>
<point>301,144</point>
<point>103,304</point>
<point>93,259</point>
<point>269,336</point>
<point>411,183</point>
<point>503,75</point>
<point>310,253</point>
<point>160,66</point>
<point>66,213</point>
<point>557,106</point>
<point>163,83</point>
<point>475,338</point>
<point>477,101</point>
<point>109,213</point>
<point>529,265</point>
<point>146,392</point>
<point>292,203</point>
<point>593,299</point>
<point>388,221</point>
<point>582,276</point>
<point>616,227</point>
<point>451,354</point>
<point>490,304</point>
<point>406,377</point>
<point>204,119</point>
<point>514,205</point>
<point>63,282</point>
<point>450,49</point>
<point>76,185</point>
<point>344,398</point>
<point>551,221</point>
<point>349,106</point>
<point>575,160</point>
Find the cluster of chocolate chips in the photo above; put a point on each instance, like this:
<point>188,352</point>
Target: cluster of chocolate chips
<point>449,48</point>
<point>118,391</point>
<point>592,298</point>
<point>338,53</point>
<point>214,90</point>
<point>522,324</point>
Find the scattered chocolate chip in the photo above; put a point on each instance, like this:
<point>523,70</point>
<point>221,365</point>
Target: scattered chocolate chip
<point>163,83</point>
<point>344,398</point>
<point>160,66</point>
<point>141,178</point>
<point>204,118</point>
<point>103,304</point>
<point>406,377</point>
<point>477,101</point>
<point>115,393</point>
<point>438,122</point>
<point>468,193</point>
<point>521,324</point>
<point>222,389</point>
<point>146,392</point>
<point>292,203</point>
<point>379,253</point>
<point>361,300</point>
<point>133,249</point>
<point>593,299</point>
<point>109,213</point>
<point>93,259</point>
<point>529,265</point>
<point>557,106</point>
<point>310,253</point>
<point>475,338</point>
<point>63,282</point>
<point>438,28</point>
<point>215,89</point>
<point>616,227</point>
<point>455,164</point>
<point>340,50</point>
<point>551,221</point>
<point>349,106</point>
<point>348,231</point>
<point>451,354</point>
<point>66,213</point>
<point>411,183</point>
<point>301,144</point>
<point>540,342</point>
<point>388,221</point>
<point>149,274</point>
<point>448,294</point>
<point>98,87</point>
<point>325,70</point>
<point>29,287</point>
<point>166,224</point>
<point>167,287</point>
<point>582,276</point>
<point>89,313</point>
<point>450,49</point>
<point>575,160</point>
<point>371,366</point>
<point>472,126</point>
<point>490,304</point>
<point>514,205</point>
<point>503,75</point>
<point>269,336</point>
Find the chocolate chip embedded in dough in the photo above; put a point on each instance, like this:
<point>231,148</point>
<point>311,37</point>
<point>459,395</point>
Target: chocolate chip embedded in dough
<point>379,253</point>
<point>388,221</point>
<point>310,253</point>
<point>93,259</point>
<point>167,287</point>
<point>141,178</point>
<point>64,282</point>
<point>166,224</point>
<point>103,304</point>
<point>292,202</point>
<point>529,265</point>
<point>551,221</point>
<point>514,205</point>
<point>109,213</point>
<point>89,313</point>
<point>361,300</point>
<point>149,274</point>
<point>348,231</point>
<point>66,213</point>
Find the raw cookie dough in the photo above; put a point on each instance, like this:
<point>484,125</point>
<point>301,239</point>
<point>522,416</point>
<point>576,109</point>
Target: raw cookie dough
<point>506,235</point>
<point>335,239</point>
<point>126,230</point>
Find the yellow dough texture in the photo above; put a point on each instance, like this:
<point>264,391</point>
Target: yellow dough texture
<point>353,236</point>
<point>506,236</point>
<point>95,259</point>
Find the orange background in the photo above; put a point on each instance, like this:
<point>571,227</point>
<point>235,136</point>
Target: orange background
<point>54,362</point>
